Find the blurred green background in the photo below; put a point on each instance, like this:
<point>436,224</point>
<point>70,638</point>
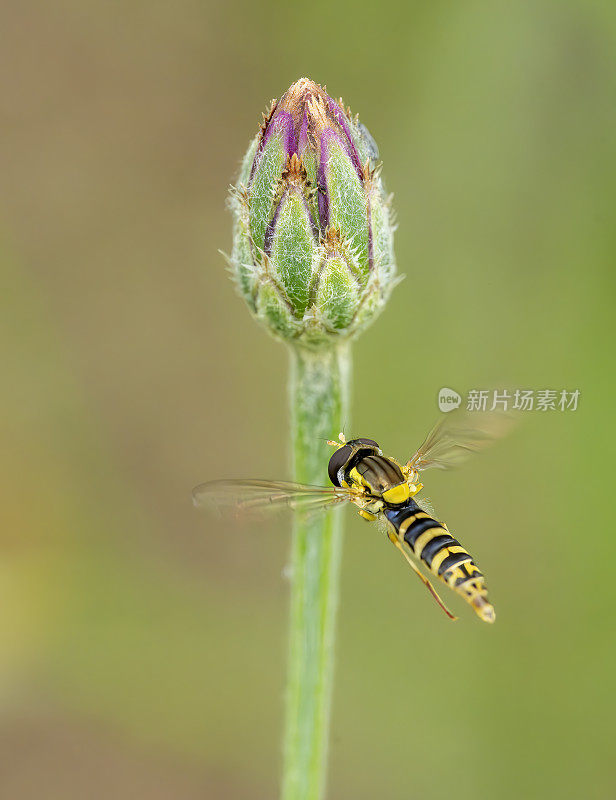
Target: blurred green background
<point>142,644</point>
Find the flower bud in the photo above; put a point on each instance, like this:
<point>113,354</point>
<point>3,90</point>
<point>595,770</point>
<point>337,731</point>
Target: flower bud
<point>313,238</point>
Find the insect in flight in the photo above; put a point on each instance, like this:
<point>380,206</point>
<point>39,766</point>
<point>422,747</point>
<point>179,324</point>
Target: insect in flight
<point>384,489</point>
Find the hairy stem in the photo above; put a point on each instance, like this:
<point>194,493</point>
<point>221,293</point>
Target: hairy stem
<point>319,391</point>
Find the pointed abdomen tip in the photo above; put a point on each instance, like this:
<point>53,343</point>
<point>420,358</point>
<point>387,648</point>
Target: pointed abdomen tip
<point>484,609</point>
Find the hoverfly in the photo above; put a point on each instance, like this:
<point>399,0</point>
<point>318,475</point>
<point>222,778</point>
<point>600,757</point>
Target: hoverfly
<point>384,489</point>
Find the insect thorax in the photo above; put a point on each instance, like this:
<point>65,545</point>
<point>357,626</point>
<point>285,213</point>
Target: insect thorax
<point>360,464</point>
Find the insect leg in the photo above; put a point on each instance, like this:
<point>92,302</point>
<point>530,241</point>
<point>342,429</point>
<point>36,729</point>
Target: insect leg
<point>394,540</point>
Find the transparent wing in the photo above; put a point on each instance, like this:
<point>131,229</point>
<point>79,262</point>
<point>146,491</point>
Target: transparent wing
<point>458,435</point>
<point>262,496</point>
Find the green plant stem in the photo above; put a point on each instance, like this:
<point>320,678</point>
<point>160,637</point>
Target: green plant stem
<point>319,391</point>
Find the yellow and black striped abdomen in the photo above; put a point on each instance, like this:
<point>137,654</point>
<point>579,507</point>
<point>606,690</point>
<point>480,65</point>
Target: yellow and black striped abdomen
<point>444,556</point>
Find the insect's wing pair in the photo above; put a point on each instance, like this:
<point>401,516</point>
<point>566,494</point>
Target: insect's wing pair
<point>257,496</point>
<point>457,436</point>
<point>448,444</point>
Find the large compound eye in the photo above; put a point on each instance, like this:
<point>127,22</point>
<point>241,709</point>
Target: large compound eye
<point>337,461</point>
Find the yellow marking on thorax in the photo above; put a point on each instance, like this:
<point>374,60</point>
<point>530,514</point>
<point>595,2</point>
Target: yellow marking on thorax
<point>358,479</point>
<point>397,494</point>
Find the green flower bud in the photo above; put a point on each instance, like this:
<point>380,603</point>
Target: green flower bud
<point>313,236</point>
